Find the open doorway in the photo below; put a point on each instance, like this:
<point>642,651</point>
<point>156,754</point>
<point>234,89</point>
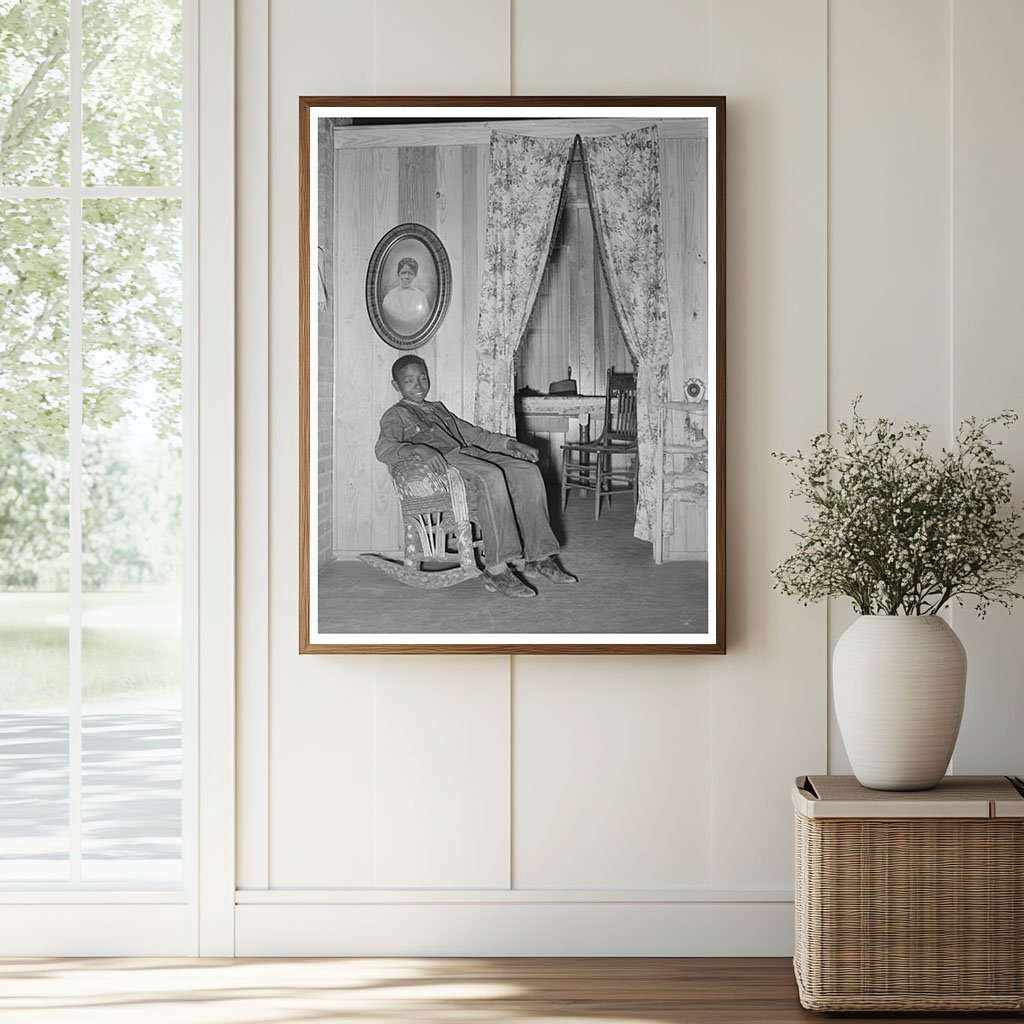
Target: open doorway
<point>572,339</point>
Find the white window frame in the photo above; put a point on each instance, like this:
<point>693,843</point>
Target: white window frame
<point>75,918</point>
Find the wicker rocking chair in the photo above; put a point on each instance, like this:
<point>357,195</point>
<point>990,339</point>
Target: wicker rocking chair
<point>436,517</point>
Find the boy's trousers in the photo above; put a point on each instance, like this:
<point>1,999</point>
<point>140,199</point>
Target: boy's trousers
<point>511,504</point>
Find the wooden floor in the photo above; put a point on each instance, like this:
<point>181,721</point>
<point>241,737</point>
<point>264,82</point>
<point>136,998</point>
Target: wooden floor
<point>414,991</point>
<point>620,590</point>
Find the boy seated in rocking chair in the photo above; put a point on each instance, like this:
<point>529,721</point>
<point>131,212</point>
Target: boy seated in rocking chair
<point>501,476</point>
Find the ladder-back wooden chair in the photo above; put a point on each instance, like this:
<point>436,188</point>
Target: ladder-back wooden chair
<point>438,528</point>
<point>608,465</point>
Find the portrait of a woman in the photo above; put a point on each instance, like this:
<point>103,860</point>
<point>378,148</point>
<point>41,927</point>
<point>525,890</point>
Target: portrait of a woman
<point>406,305</point>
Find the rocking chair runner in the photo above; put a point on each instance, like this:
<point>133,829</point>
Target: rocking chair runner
<point>588,465</point>
<point>434,507</point>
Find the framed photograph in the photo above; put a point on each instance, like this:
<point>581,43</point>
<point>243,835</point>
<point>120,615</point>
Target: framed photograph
<point>512,375</point>
<point>408,286</point>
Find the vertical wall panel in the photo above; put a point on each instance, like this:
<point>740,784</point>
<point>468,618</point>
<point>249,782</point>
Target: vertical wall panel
<point>612,775</point>
<point>324,814</point>
<point>472,257</point>
<point>692,520</point>
<point>482,172</point>
<point>684,216</point>
<point>346,259</point>
<point>888,223</point>
<point>586,298</point>
<point>450,210</point>
<point>889,208</point>
<point>768,693</point>
<point>387,529</point>
<point>252,254</point>
<point>445,48</point>
<point>353,449</point>
<point>312,702</point>
<point>325,321</point>
<point>442,771</point>
<point>605,317</point>
<point>645,47</point>
<point>988,309</point>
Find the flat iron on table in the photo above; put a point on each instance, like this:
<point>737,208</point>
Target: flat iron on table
<point>563,387</point>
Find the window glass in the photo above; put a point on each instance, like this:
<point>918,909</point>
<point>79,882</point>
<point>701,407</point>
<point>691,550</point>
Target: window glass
<point>34,484</point>
<point>91,443</point>
<point>131,541</point>
<point>33,92</point>
<point>131,92</point>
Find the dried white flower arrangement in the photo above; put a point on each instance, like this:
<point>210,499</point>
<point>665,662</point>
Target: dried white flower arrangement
<point>899,530</point>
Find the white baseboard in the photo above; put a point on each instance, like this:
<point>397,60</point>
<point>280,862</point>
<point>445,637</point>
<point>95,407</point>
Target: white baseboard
<point>517,928</point>
<point>98,929</point>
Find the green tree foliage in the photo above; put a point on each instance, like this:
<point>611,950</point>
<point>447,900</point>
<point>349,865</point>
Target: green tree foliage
<point>132,313</point>
<point>33,515</point>
<point>131,92</point>
<point>131,509</point>
<point>131,277</point>
<point>34,321</point>
<point>33,92</point>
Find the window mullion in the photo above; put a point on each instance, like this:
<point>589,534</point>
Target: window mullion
<point>75,332</point>
<point>95,191</point>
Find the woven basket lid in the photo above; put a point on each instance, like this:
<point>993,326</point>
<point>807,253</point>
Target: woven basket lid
<point>957,796</point>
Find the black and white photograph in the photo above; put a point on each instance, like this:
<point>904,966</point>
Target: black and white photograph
<point>512,375</point>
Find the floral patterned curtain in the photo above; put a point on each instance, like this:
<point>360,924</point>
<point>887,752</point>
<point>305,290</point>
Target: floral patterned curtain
<point>524,189</point>
<point>624,186</point>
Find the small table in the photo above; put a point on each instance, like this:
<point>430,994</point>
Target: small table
<point>910,901</point>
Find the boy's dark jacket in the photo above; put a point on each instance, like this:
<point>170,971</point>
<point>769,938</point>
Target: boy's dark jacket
<point>430,423</point>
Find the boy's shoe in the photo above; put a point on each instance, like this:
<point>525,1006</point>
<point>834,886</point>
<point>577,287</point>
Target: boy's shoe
<point>547,569</point>
<point>508,584</point>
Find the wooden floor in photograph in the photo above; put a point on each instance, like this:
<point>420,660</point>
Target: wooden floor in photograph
<point>415,991</point>
<point>620,590</point>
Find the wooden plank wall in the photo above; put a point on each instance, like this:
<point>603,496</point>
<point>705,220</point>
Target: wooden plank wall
<point>443,188</point>
<point>684,189</point>
<point>572,324</point>
<point>325,344</point>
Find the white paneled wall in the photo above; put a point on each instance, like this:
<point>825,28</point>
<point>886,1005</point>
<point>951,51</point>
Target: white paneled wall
<point>986,369</point>
<point>768,693</point>
<point>889,208</point>
<point>889,335</point>
<point>926,284</point>
<point>612,776</point>
<point>576,47</point>
<point>627,805</point>
<point>444,48</point>
<point>442,769</point>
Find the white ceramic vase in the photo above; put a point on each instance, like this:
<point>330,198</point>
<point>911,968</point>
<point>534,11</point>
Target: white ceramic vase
<point>898,685</point>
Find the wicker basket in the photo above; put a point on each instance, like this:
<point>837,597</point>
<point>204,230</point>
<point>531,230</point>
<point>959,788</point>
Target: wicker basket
<point>910,901</point>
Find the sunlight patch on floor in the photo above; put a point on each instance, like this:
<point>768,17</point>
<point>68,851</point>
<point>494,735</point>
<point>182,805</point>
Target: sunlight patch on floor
<point>219,991</point>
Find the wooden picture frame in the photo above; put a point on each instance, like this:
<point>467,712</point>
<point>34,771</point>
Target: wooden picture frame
<point>417,250</point>
<point>376,169</point>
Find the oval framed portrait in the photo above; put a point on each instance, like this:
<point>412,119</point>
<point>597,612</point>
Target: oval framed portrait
<point>408,286</point>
